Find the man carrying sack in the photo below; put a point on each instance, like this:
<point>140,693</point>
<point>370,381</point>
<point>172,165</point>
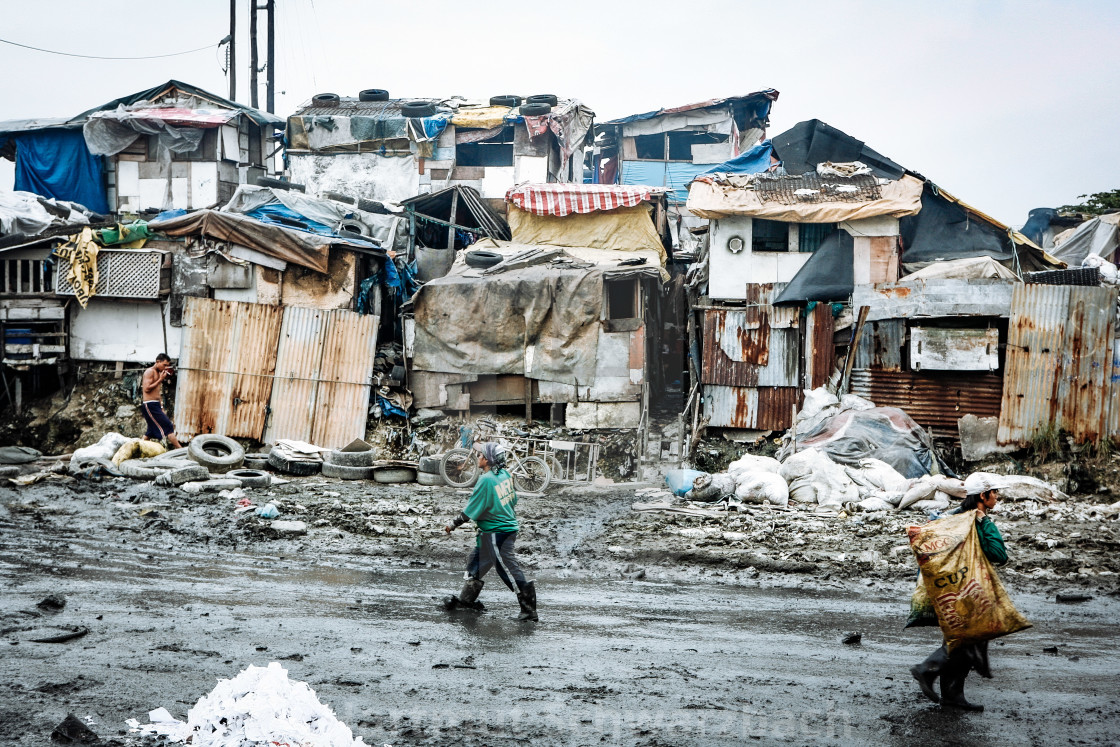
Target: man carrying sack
<point>959,585</point>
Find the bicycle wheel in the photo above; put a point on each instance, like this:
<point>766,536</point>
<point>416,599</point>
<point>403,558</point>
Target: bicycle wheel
<point>530,475</point>
<point>556,468</point>
<point>459,468</point>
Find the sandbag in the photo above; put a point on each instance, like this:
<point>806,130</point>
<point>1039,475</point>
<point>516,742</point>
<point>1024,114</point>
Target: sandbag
<point>924,488</point>
<point>710,488</point>
<point>763,487</point>
<point>105,448</point>
<point>754,463</point>
<point>939,502</point>
<point>875,504</point>
<point>137,449</point>
<point>829,483</point>
<point>880,475</point>
<point>680,480</point>
<point>963,587</point>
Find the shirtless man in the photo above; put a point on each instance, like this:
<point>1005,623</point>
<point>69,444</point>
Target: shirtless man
<point>159,425</point>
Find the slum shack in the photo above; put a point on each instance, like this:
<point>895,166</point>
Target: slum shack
<point>562,322</point>
<point>920,284</point>
<point>375,147</point>
<point>670,147</point>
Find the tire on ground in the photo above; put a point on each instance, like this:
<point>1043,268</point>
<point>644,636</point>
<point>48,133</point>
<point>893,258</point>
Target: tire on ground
<point>393,475</point>
<point>430,465</point>
<point>343,472</point>
<point>150,469</point>
<point>182,475</point>
<point>251,478</point>
<point>293,466</point>
<point>216,453</point>
<point>256,461</point>
<point>429,478</point>
<point>351,458</point>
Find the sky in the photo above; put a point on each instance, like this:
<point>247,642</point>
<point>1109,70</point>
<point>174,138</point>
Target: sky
<point>1007,105</point>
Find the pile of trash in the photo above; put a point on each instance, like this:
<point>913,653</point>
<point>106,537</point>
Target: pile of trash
<point>258,706</point>
<point>845,454</point>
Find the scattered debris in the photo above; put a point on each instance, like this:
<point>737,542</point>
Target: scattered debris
<point>73,730</point>
<point>52,603</point>
<point>1070,597</point>
<point>852,639</point>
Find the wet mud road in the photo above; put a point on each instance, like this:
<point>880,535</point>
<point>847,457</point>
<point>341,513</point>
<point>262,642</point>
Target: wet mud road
<point>630,662</point>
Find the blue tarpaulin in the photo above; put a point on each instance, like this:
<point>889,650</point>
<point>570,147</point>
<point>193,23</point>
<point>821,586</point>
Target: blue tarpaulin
<point>57,164</point>
<point>752,161</point>
<point>672,174</point>
<point>279,214</point>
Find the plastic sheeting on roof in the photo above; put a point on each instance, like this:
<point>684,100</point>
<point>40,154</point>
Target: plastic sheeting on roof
<point>969,268</point>
<point>808,143</point>
<point>752,110</point>
<point>566,199</point>
<point>179,126</point>
<point>674,175</point>
<point>1098,236</point>
<point>27,214</point>
<point>175,87</point>
<point>58,165</point>
<point>707,199</point>
<point>626,229</point>
<point>754,160</point>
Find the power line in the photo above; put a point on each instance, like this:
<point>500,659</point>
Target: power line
<point>96,57</point>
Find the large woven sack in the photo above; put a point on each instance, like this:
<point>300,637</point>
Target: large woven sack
<point>962,585</point>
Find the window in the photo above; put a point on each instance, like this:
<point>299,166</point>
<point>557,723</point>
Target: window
<point>812,234</point>
<point>769,236</point>
<point>680,144</point>
<point>26,276</point>
<point>650,147</point>
<point>496,151</point>
<point>623,306</point>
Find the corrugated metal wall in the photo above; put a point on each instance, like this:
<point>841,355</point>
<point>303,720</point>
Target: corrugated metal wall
<point>1059,363</point>
<point>310,369</point>
<point>751,360</point>
<point>225,367</point>
<point>934,400</point>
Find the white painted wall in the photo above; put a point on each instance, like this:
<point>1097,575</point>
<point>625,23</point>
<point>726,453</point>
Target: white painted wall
<point>730,272</point>
<point>384,178</point>
<point>115,330</point>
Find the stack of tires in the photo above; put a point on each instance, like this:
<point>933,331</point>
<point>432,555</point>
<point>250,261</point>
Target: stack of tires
<point>349,465</point>
<point>427,472</point>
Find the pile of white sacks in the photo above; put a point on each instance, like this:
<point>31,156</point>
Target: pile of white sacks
<point>811,477</point>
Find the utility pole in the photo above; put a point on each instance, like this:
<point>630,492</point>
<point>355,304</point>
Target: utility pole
<point>270,81</point>
<point>253,54</point>
<point>233,50</point>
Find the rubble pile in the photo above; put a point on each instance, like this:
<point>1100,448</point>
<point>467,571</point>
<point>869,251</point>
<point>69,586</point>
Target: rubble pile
<point>258,706</point>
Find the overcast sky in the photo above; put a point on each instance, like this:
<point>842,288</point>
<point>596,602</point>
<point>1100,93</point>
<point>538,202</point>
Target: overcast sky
<point>1008,105</point>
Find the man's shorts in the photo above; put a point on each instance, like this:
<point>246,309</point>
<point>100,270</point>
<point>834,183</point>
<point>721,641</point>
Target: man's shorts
<point>159,425</point>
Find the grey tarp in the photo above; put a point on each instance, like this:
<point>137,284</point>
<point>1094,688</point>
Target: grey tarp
<point>540,322</point>
<point>1099,236</point>
<point>298,247</point>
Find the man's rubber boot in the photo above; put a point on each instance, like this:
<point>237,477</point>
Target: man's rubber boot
<point>468,597</point>
<point>952,692</point>
<point>929,670</point>
<point>527,598</point>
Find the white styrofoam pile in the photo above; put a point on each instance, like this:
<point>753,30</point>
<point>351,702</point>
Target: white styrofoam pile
<point>258,706</point>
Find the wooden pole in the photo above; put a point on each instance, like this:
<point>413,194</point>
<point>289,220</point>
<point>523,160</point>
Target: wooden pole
<point>233,50</point>
<point>844,379</point>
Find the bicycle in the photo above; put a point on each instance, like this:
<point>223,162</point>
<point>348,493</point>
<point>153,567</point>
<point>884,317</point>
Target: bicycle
<point>459,469</point>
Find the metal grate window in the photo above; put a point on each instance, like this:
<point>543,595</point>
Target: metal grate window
<point>120,274</point>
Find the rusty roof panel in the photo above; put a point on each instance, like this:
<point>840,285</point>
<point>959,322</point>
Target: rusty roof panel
<point>934,400</point>
<point>226,364</point>
<point>784,356</point>
<point>881,345</point>
<point>1035,337</point>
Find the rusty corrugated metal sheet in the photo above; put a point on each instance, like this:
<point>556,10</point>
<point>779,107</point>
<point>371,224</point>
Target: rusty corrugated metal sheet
<point>934,400</point>
<point>880,347</point>
<point>732,351</point>
<point>347,372</point>
<point>298,361</point>
<point>1086,388</point>
<point>784,357</point>
<point>820,352</point>
<point>1114,376</point>
<point>1059,363</point>
<point>761,408</point>
<point>225,367</point>
<point>1035,335</point>
<point>324,366</point>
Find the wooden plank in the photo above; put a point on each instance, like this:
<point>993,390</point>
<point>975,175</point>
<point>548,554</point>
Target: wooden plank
<point>946,349</point>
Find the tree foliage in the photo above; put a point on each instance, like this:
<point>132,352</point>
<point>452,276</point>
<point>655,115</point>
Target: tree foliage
<point>1095,204</point>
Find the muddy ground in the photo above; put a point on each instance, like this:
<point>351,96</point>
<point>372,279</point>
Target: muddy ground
<point>655,628</point>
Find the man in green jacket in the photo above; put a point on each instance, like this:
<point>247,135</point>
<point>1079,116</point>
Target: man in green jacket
<point>491,508</point>
<point>982,494</point>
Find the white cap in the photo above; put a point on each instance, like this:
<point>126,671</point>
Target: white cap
<point>978,482</point>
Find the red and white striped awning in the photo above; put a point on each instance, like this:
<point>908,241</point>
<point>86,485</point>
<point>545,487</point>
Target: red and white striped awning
<point>565,199</point>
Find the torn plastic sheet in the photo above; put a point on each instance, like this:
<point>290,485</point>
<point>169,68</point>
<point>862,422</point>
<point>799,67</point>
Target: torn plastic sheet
<point>258,706</point>
<point>884,433</point>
